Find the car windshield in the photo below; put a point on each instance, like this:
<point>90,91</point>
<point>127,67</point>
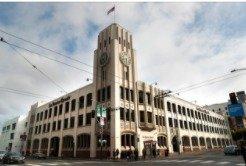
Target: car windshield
<point>15,154</point>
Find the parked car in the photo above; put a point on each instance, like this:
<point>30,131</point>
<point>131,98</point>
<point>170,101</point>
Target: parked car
<point>231,150</point>
<point>2,153</point>
<point>13,157</point>
<point>39,156</point>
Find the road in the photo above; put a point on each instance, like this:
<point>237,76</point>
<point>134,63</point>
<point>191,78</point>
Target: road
<point>206,159</point>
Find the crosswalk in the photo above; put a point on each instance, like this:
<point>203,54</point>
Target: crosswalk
<point>198,162</point>
<point>193,162</point>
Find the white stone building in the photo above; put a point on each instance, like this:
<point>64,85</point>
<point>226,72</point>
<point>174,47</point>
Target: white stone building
<point>13,134</point>
<point>137,117</point>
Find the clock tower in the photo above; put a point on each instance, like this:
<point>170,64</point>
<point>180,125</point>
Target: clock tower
<point>114,80</point>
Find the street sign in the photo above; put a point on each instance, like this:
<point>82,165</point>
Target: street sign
<point>101,111</point>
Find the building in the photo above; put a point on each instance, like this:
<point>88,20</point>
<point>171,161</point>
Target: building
<point>13,134</point>
<point>138,116</point>
<point>237,110</point>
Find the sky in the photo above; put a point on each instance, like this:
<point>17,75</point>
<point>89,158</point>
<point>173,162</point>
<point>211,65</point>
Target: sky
<point>177,45</point>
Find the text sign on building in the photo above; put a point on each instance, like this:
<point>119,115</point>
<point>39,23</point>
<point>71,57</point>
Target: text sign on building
<point>101,111</point>
<point>235,110</point>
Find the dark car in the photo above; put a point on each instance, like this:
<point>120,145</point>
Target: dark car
<point>2,153</point>
<point>13,157</point>
<point>231,150</point>
<point>39,156</point>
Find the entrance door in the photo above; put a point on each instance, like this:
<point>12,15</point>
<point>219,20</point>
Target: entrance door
<point>54,149</point>
<point>175,144</point>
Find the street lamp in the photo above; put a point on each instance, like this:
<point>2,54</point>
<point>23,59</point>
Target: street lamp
<point>235,70</point>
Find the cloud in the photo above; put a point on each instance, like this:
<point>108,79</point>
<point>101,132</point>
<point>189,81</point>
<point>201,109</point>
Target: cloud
<point>177,44</point>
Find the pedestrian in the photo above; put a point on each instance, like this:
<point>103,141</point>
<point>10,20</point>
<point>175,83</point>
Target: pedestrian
<point>144,153</point>
<point>117,153</point>
<point>154,152</point>
<point>243,153</point>
<point>136,154</point>
<point>108,154</point>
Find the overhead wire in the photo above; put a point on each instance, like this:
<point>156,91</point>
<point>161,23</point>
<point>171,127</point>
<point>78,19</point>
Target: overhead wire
<point>36,68</point>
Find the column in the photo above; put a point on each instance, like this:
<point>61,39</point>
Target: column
<point>74,145</point>
<point>39,145</point>
<point>191,147</point>
<point>199,145</point>
<point>48,150</point>
<point>60,147</point>
<point>31,148</point>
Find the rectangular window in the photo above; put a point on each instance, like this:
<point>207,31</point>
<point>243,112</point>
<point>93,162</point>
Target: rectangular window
<point>188,112</point>
<point>99,95</point>
<point>174,108</point>
<point>127,114</point>
<point>183,111</point>
<point>192,113</point>
<point>190,125</point>
<point>89,99</point>
<point>44,128</point>
<point>81,101</point>
<point>59,125</point>
<point>41,116</point>
<point>54,126</point>
<point>163,121</point>
<point>175,122</point>
<point>194,126</point>
<point>88,119</point>
<point>185,125</point>
<point>80,120</point>
<point>12,136</point>
<point>160,121</point>
<point>60,109</point>
<point>122,92</point>
<point>148,98</point>
<point>50,112</point>
<point>48,127</point>
<point>179,109</point>
<point>140,97</point>
<point>156,120</point>
<point>39,128</point>
<point>142,117</point>
<point>149,114</point>
<point>133,116</point>
<point>72,122</point>
<point>181,124</point>
<point>103,94</point>
<point>132,95</point>
<point>169,106</point>
<point>122,113</point>
<point>45,114</point>
<point>13,126</point>
<point>55,111</point>
<point>65,126</point>
<point>170,121</point>
<point>127,94</point>
<point>73,105</point>
<point>67,107</point>
<point>108,92</point>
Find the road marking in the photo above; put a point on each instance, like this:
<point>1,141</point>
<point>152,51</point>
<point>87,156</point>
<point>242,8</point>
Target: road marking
<point>223,162</point>
<point>180,161</point>
<point>241,164</point>
<point>206,162</point>
<point>194,161</point>
<point>34,164</point>
<point>49,164</point>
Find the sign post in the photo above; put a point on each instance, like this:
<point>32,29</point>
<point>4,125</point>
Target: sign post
<point>101,113</point>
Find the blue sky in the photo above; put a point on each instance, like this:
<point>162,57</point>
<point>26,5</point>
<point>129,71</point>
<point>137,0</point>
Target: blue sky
<point>177,45</point>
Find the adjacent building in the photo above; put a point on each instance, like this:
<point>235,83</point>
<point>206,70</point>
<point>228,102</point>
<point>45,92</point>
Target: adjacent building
<point>138,115</point>
<point>13,135</point>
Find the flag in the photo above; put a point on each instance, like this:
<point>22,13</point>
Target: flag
<point>111,10</point>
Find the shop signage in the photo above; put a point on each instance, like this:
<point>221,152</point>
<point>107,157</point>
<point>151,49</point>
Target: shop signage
<point>59,101</point>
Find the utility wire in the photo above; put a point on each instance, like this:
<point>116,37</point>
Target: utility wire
<point>209,83</point>
<point>58,61</point>
<point>26,93</point>
<point>58,53</point>
<point>35,67</point>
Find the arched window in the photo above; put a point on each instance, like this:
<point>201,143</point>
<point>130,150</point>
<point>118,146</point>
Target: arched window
<point>44,143</point>
<point>161,140</point>
<point>128,140</point>
<point>35,144</point>
<point>105,142</point>
<point>202,141</point>
<point>68,142</point>
<point>83,141</point>
<point>194,141</point>
<point>186,141</point>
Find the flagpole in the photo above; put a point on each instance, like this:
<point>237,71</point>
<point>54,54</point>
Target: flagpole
<point>114,13</point>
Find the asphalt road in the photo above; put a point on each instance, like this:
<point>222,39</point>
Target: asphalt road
<point>206,159</point>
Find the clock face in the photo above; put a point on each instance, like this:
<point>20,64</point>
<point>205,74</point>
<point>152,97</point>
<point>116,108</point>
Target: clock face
<point>104,59</point>
<point>125,58</point>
